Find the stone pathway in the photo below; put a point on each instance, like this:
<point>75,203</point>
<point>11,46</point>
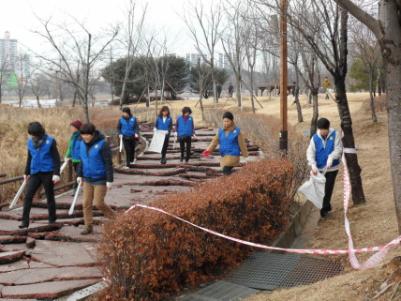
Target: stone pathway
<point>48,262</point>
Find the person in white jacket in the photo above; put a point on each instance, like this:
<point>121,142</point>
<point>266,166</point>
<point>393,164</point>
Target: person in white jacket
<point>324,156</point>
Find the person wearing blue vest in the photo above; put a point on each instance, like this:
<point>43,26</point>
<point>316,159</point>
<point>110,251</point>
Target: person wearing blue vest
<point>73,147</point>
<point>96,172</point>
<point>164,123</point>
<point>128,130</point>
<point>42,168</point>
<point>324,156</point>
<point>232,144</point>
<point>185,130</point>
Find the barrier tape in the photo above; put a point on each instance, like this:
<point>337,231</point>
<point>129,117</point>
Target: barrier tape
<point>373,261</point>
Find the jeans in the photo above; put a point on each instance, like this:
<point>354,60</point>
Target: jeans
<point>129,146</point>
<point>185,147</point>
<point>34,183</point>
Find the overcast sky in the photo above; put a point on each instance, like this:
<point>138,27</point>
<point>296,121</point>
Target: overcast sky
<point>18,17</point>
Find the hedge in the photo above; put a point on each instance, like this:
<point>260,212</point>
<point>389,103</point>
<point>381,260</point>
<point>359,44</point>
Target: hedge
<point>148,256</point>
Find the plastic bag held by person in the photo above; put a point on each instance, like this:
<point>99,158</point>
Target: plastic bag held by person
<point>313,190</point>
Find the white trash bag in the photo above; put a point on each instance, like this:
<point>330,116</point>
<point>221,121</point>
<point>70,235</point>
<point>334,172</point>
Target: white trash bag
<point>313,190</point>
<point>157,143</point>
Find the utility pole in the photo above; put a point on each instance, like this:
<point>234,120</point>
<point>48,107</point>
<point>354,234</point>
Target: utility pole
<point>283,76</point>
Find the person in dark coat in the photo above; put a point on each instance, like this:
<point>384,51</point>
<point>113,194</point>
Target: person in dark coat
<point>164,123</point>
<point>185,130</point>
<point>96,173</point>
<point>42,168</point>
<point>128,130</point>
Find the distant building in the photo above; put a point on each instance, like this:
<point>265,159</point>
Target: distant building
<point>223,61</point>
<point>193,59</point>
<point>8,53</point>
<point>22,66</point>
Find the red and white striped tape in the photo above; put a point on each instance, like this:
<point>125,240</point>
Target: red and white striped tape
<point>374,260</point>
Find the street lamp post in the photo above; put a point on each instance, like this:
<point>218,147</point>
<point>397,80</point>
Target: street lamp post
<point>283,76</point>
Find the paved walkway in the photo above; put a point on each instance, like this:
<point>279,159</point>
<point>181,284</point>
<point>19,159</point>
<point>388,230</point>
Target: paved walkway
<point>48,262</point>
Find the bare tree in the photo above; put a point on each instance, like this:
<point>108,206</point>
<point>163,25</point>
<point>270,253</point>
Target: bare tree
<point>233,43</point>
<point>4,72</point>
<point>22,76</point>
<point>206,34</point>
<point>38,83</point>
<point>387,30</point>
<point>132,40</point>
<point>366,49</point>
<point>77,54</point>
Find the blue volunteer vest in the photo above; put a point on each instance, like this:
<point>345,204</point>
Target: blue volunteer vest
<point>229,145</point>
<point>75,148</point>
<point>323,152</point>
<point>163,126</point>
<point>185,128</point>
<point>42,160</point>
<point>93,165</point>
<point>128,126</point>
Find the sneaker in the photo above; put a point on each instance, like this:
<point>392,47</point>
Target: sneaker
<point>323,213</point>
<point>125,167</point>
<point>23,225</point>
<point>163,161</point>
<point>88,230</point>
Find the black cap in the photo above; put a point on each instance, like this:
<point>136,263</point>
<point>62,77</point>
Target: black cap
<point>228,115</point>
<point>36,129</point>
<point>88,129</point>
<point>323,124</point>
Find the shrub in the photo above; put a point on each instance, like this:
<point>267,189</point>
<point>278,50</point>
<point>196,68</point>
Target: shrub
<point>150,256</point>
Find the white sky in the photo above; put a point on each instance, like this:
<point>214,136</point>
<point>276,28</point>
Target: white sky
<point>18,17</point>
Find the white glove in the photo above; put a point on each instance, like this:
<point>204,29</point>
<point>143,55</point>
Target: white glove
<point>66,159</point>
<point>109,185</point>
<point>136,135</point>
<point>26,177</point>
<point>79,180</point>
<point>175,134</point>
<point>56,179</point>
<point>154,129</point>
<point>314,171</point>
<point>329,162</point>
<point>120,136</point>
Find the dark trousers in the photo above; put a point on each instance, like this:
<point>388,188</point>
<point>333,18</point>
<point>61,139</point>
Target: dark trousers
<point>34,183</point>
<point>185,147</point>
<point>328,189</point>
<point>129,146</point>
<point>227,170</point>
<point>75,167</point>
<point>165,146</point>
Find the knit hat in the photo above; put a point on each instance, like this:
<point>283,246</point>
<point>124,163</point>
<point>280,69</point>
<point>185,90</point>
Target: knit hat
<point>76,124</point>
<point>228,115</point>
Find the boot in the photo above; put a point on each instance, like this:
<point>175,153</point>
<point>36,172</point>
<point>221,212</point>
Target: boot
<point>88,230</point>
<point>23,225</point>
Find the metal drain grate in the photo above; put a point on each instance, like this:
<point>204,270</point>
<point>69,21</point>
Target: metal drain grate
<point>265,271</point>
<point>310,270</point>
<point>220,291</point>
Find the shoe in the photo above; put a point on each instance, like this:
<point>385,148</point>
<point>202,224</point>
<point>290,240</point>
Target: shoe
<point>163,161</point>
<point>88,230</point>
<point>125,167</point>
<point>182,159</point>
<point>329,208</point>
<point>52,222</point>
<point>323,213</point>
<point>23,225</point>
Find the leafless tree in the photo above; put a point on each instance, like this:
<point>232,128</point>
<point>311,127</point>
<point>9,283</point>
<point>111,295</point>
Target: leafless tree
<point>132,41</point>
<point>4,72</point>
<point>38,83</point>
<point>206,33</point>
<point>233,42</point>
<point>366,49</point>
<point>76,54</point>
<point>387,29</point>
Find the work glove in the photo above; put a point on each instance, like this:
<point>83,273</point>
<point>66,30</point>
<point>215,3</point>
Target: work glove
<point>329,162</point>
<point>56,179</point>
<point>109,185</point>
<point>206,153</point>
<point>79,180</point>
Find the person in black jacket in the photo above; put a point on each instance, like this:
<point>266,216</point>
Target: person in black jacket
<point>42,168</point>
<point>96,172</point>
<point>128,130</point>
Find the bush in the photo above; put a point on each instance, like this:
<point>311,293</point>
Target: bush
<point>149,256</point>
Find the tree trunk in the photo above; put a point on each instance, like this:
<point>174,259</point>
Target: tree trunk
<point>215,96</point>
<point>393,87</point>
<point>252,90</point>
<point>358,196</point>
<point>38,101</point>
<point>297,102</point>
<point>74,100</point>
<point>372,98</point>
<point>238,89</point>
<point>148,98</point>
<point>1,92</point>
<point>314,94</point>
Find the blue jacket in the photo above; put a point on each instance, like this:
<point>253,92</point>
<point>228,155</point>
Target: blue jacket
<point>323,150</point>
<point>164,126</point>
<point>185,127</point>
<point>229,145</point>
<point>92,161</point>
<point>41,157</point>
<point>127,127</point>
